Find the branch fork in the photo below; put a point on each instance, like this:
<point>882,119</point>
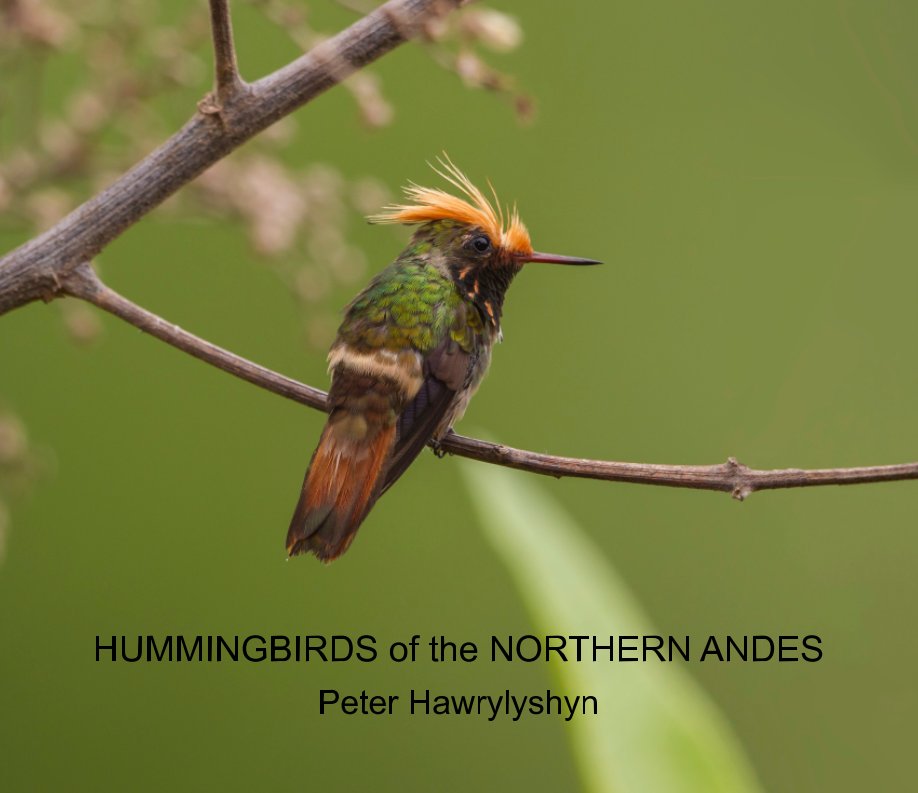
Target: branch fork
<point>58,261</point>
<point>227,81</point>
<point>28,273</point>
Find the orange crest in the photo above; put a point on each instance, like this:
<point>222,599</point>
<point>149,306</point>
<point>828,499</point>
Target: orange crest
<point>429,203</point>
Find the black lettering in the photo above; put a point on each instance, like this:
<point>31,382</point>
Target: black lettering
<point>653,644</point>
<point>536,704</point>
<point>812,643</point>
<point>346,641</point>
<point>398,651</point>
<point>327,696</point>
<point>683,651</point>
<point>610,648</point>
<point>443,649</point>
<point>733,647</point>
<point>425,701</point>
<point>756,640</point>
<point>261,649</point>
<point>555,644</point>
<point>232,650</point>
<point>124,654</point>
<point>711,647</point>
<point>159,653</point>
<point>367,645</point>
<point>382,705</point>
<point>786,650</point>
<point>280,648</point>
<point>111,647</point>
<point>182,648</point>
<point>623,648</point>
<point>578,640</point>
<point>468,651</point>
<point>537,649</point>
<point>507,651</point>
<point>319,649</point>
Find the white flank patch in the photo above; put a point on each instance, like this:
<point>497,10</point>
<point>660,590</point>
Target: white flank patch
<point>403,367</point>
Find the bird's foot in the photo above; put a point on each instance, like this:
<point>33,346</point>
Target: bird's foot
<point>438,449</point>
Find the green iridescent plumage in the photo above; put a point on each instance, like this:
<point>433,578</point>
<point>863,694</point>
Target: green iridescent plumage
<point>414,303</point>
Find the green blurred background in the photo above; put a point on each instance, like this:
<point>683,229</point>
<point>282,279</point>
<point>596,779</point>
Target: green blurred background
<point>748,173</point>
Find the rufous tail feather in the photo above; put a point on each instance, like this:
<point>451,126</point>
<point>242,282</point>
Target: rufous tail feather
<point>341,485</point>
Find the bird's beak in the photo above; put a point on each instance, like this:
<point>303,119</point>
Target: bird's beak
<point>554,258</point>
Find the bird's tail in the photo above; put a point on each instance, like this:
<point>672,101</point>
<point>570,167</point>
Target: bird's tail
<point>341,485</point>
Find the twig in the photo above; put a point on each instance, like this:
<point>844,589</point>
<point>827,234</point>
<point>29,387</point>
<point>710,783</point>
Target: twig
<point>57,261</point>
<point>35,270</point>
<point>226,71</point>
<point>84,283</point>
<point>730,477</point>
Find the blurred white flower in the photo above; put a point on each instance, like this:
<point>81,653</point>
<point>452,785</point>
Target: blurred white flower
<point>495,29</point>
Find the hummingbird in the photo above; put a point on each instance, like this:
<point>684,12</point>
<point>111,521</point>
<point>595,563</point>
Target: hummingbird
<point>410,353</point>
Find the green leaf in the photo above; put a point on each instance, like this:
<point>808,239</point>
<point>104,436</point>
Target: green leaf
<point>656,730</point>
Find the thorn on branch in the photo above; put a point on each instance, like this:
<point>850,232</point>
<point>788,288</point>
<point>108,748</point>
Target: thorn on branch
<point>54,291</point>
<point>737,473</point>
<point>741,492</point>
<point>210,105</point>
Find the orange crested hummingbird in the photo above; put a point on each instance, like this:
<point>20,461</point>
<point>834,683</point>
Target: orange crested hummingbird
<point>410,353</point>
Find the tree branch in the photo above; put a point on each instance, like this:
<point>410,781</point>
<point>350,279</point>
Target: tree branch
<point>226,71</point>
<point>84,283</point>
<point>730,477</point>
<point>35,270</point>
<point>58,261</point>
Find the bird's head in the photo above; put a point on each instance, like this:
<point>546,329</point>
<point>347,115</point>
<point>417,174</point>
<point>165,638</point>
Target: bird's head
<point>471,233</point>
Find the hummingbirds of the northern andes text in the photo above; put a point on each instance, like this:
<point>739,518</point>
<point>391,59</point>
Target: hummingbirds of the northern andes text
<point>412,349</point>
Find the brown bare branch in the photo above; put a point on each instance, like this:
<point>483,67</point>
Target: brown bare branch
<point>84,283</point>
<point>226,71</point>
<point>730,477</point>
<point>35,270</point>
<point>57,261</point>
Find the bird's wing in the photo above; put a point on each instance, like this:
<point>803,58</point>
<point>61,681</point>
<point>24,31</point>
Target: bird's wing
<point>446,370</point>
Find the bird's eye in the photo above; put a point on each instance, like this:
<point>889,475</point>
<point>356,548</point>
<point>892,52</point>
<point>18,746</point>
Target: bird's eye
<point>481,243</point>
